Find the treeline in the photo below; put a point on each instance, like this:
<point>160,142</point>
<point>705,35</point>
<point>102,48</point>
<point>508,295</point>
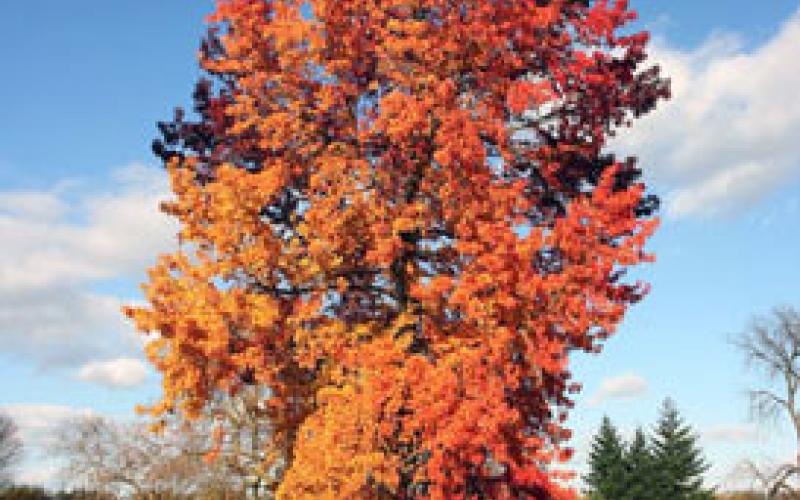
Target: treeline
<point>99,458</point>
<point>105,460</point>
<point>39,493</point>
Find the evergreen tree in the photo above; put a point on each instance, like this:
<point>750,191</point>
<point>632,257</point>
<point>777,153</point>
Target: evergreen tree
<point>607,475</point>
<point>677,459</point>
<point>639,468</point>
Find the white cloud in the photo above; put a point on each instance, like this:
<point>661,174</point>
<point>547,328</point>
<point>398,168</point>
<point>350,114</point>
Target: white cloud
<point>623,387</point>
<point>64,326</point>
<point>58,246</point>
<point>114,373</point>
<point>727,139</point>
<point>38,205</point>
<point>746,183</point>
<point>101,237</point>
<point>731,433</point>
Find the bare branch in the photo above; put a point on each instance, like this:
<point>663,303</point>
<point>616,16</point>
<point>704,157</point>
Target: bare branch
<point>771,480</point>
<point>764,405</point>
<point>772,345</point>
<point>127,458</point>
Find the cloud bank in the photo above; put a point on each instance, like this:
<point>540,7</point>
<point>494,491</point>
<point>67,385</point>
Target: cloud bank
<point>727,139</point>
<point>59,250</point>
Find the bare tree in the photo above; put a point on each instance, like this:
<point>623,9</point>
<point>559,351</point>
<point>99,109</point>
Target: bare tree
<point>247,449</point>
<point>770,480</point>
<point>128,459</point>
<point>10,447</point>
<point>771,345</point>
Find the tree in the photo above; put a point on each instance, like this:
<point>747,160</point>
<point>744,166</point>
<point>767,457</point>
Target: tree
<point>10,448</point>
<point>772,346</point>
<point>608,476</point>
<point>400,219</point>
<point>767,480</point>
<point>24,493</point>
<point>639,468</point>
<point>678,461</point>
<point>243,431</point>
<point>39,493</point>
<point>126,459</point>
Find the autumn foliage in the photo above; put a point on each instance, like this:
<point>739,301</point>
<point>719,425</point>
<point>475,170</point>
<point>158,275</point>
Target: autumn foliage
<point>399,217</point>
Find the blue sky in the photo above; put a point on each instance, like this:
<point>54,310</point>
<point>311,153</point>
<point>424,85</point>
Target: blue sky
<point>85,81</point>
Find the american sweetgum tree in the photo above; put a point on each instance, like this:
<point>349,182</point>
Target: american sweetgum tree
<point>399,217</point>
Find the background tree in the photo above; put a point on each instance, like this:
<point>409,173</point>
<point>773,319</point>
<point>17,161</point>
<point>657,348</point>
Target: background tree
<point>10,448</point>
<point>245,432</point>
<point>607,479</point>
<point>767,481</point>
<point>771,345</point>
<point>24,493</point>
<point>678,461</point>
<point>640,468</point>
<point>401,219</point>
<point>40,493</point>
<point>127,459</point>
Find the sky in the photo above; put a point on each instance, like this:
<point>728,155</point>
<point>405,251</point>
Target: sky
<point>85,81</point>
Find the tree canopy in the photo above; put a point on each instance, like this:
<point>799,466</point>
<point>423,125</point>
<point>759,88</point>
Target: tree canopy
<point>400,219</point>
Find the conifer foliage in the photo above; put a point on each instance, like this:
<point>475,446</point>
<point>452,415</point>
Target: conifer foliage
<point>668,465</point>
<point>640,468</point>
<point>680,464</point>
<point>609,477</point>
<point>399,217</point>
